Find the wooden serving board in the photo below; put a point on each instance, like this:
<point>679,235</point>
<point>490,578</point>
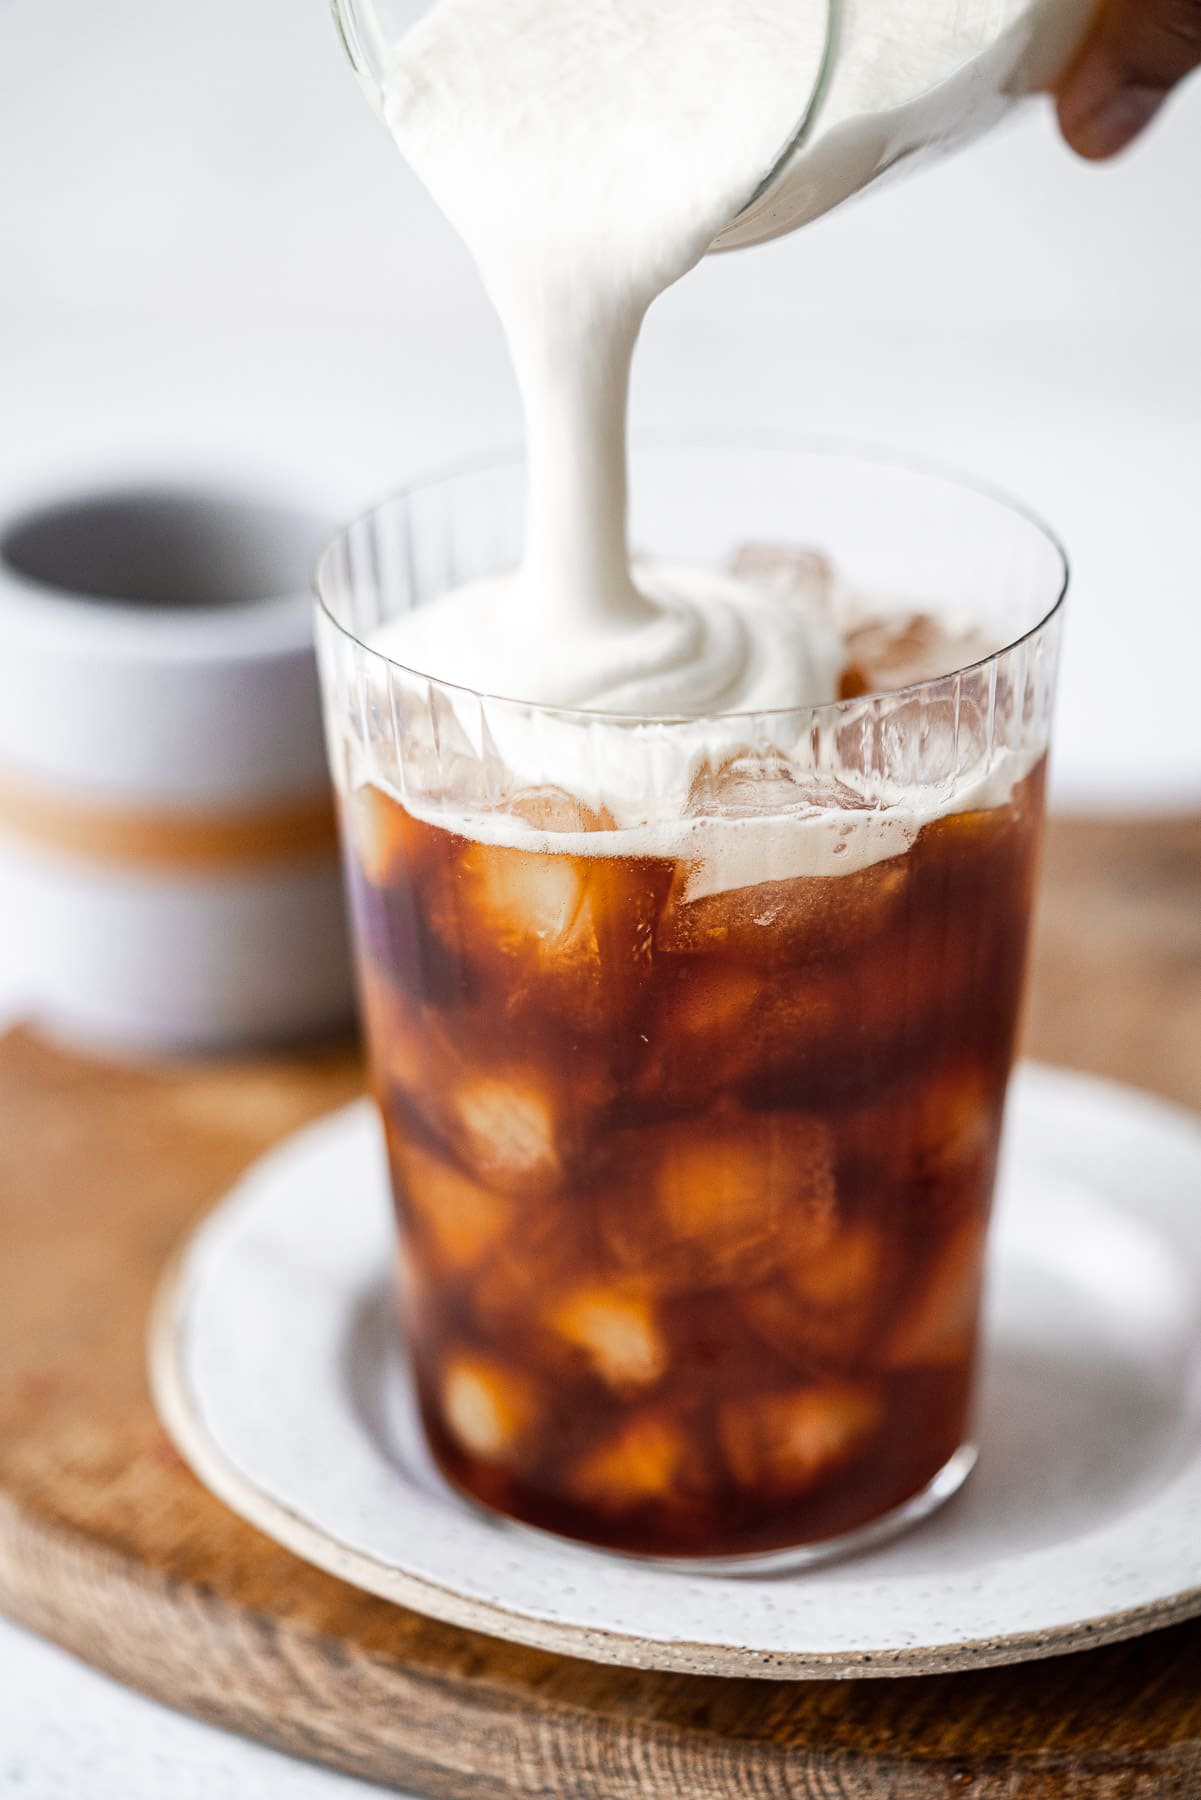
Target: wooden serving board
<point>110,1547</point>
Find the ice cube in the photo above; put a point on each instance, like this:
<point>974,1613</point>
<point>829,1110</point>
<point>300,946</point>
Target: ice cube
<point>771,922</point>
<point>644,1460</point>
<point>503,1127</point>
<point>979,832</point>
<point>749,783</point>
<point>936,1327</point>
<point>523,899</point>
<point>617,1331</point>
<point>706,1006</point>
<point>787,570</point>
<point>798,1031</point>
<point>822,1311</point>
<point>926,738</point>
<point>900,650</point>
<point>488,1409</point>
<point>929,1142</point>
<point>539,1258</point>
<point>785,1442</point>
<point>954,1124</point>
<point>462,1221</point>
<point>551,809</point>
<point>448,759</point>
<point>727,1199</point>
<point>895,651</point>
<point>554,933</point>
<point>727,1183</point>
<point>697,1034</point>
<point>844,1271</point>
<point>381,834</point>
<point>398,1037</point>
<point>854,683</point>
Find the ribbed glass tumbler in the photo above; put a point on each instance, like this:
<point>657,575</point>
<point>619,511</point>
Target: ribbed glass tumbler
<point>691,1037</point>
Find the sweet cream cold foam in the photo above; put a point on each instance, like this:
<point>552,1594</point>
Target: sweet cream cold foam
<point>589,153</point>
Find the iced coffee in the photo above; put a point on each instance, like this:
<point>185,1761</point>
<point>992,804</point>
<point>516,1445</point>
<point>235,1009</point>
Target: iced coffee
<point>693,1100</point>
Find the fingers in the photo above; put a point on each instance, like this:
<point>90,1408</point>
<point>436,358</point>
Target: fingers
<point>1136,52</point>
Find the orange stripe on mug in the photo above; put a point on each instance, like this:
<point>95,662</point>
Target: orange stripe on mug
<point>164,837</point>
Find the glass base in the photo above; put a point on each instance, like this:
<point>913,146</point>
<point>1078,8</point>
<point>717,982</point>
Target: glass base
<point>941,1487</point>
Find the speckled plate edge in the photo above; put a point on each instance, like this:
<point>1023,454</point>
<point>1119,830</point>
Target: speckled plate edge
<point>184,1423</point>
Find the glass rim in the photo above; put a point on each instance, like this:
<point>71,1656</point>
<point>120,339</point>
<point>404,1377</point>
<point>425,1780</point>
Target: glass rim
<point>799,135</point>
<point>830,448</point>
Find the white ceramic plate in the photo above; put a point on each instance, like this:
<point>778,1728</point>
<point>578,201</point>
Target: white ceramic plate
<point>277,1373</point>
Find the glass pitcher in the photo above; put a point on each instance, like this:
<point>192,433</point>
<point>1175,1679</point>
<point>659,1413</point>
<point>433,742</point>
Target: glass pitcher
<point>899,83</point>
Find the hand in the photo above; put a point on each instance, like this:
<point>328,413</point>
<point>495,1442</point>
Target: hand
<point>1134,55</point>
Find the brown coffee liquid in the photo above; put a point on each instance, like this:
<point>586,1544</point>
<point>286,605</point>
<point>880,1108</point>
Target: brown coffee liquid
<point>692,1195</point>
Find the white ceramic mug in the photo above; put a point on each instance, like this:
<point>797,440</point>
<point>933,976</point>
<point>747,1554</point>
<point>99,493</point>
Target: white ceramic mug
<point>167,849</point>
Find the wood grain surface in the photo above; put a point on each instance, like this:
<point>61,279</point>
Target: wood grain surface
<point>110,1547</point>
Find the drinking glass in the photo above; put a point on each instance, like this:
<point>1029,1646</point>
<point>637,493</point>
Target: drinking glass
<point>693,1103</point>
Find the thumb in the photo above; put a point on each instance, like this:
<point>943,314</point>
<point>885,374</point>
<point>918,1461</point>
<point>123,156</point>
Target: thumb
<point>1136,52</point>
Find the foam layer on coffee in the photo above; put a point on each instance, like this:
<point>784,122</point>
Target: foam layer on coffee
<point>725,851</point>
<point>714,643</point>
<point>741,799</point>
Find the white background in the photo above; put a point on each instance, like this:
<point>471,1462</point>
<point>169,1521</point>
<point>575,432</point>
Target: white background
<point>212,259</point>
